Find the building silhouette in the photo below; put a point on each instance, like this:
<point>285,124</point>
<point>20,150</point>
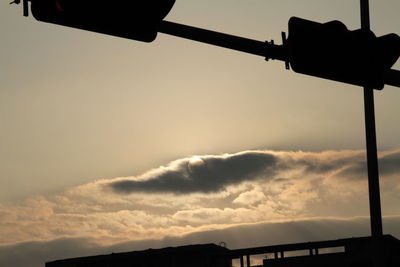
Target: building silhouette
<point>383,251</point>
<point>184,256</point>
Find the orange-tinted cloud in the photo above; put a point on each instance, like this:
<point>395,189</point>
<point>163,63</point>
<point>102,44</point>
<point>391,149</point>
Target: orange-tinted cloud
<point>279,185</point>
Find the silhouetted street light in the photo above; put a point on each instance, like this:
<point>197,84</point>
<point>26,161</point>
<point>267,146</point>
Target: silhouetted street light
<point>326,50</point>
<point>331,51</point>
<point>137,20</point>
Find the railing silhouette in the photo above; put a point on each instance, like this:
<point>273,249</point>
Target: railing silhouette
<point>363,251</point>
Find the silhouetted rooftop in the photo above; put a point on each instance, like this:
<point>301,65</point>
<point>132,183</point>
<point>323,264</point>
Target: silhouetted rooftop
<point>191,255</point>
<point>361,251</point>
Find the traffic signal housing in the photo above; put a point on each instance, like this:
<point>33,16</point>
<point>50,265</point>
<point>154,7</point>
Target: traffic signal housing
<point>134,19</point>
<point>329,50</point>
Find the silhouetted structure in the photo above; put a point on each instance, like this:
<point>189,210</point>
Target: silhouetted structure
<point>381,251</point>
<point>207,255</point>
<point>325,50</point>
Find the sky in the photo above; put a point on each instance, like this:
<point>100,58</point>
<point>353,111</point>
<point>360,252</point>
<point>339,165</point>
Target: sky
<point>110,145</point>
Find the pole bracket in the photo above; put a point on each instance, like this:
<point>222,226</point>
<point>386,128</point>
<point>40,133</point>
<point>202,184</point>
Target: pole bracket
<point>25,6</point>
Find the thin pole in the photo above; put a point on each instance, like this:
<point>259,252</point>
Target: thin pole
<point>372,154</point>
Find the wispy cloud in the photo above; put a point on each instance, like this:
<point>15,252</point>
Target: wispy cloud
<point>389,165</point>
<point>35,254</point>
<point>204,193</point>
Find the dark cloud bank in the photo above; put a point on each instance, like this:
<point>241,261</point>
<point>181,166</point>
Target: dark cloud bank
<point>35,254</point>
<point>389,164</point>
<point>218,172</point>
<point>215,173</point>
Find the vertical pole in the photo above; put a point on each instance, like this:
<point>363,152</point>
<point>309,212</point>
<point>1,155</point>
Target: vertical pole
<point>372,154</point>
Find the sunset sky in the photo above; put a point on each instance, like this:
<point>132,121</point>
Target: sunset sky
<point>111,145</point>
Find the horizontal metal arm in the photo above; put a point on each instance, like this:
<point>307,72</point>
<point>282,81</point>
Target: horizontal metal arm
<point>264,49</point>
<point>392,77</point>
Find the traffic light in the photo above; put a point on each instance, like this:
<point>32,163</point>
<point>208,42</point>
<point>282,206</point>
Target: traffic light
<point>329,50</point>
<point>133,19</point>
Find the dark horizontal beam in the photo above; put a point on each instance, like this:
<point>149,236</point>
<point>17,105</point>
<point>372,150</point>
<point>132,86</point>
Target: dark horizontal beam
<point>254,47</point>
<point>392,77</point>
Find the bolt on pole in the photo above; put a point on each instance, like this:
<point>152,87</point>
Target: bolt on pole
<point>372,154</point>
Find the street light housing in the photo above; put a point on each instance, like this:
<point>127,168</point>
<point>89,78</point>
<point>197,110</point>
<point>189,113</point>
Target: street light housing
<point>135,19</point>
<point>331,51</point>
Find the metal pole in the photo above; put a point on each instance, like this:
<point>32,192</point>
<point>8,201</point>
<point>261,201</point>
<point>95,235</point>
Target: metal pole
<point>254,47</point>
<point>372,154</point>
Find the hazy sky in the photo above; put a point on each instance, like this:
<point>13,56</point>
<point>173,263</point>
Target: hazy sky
<point>98,134</point>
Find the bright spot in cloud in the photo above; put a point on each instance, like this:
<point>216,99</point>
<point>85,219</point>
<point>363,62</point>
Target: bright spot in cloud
<point>194,162</point>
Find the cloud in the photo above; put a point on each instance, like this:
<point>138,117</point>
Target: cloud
<point>214,173</point>
<point>35,254</point>
<point>266,186</point>
<point>389,164</point>
<point>249,198</point>
<point>205,174</point>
